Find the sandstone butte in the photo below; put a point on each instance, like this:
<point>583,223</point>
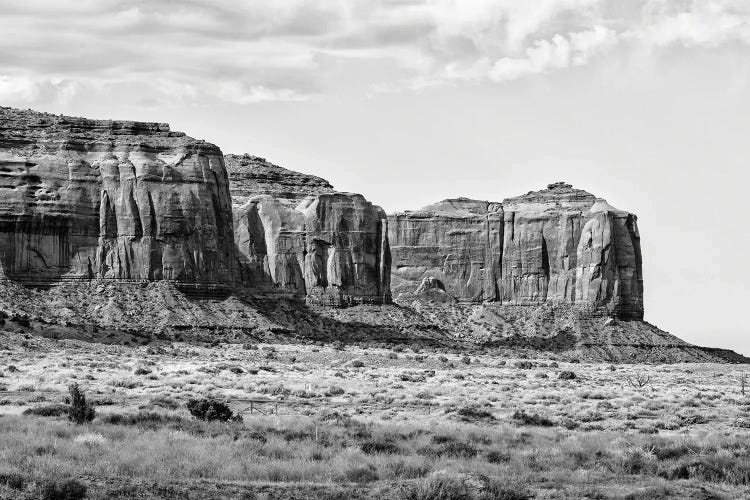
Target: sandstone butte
<point>92,199</point>
<point>117,224</point>
<point>294,232</point>
<point>558,245</point>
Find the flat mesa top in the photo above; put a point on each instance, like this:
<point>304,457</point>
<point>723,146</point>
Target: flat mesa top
<point>253,175</point>
<point>26,129</point>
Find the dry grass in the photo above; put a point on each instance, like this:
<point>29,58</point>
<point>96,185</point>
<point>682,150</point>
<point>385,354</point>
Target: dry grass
<point>408,426</point>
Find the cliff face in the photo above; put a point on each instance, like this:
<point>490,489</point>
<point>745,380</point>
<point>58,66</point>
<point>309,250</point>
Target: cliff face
<point>558,245</point>
<point>456,242</point>
<point>295,234</point>
<point>83,199</point>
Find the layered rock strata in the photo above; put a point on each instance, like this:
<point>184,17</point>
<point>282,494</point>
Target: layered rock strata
<point>557,245</point>
<point>456,242</point>
<point>254,176</point>
<point>296,235</point>
<point>85,199</point>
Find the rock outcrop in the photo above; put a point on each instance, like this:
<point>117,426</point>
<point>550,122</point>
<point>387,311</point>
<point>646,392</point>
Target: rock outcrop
<point>555,246</point>
<point>296,235</point>
<point>456,242</point>
<point>85,199</point>
<point>252,176</point>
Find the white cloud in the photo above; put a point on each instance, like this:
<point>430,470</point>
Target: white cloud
<point>245,52</point>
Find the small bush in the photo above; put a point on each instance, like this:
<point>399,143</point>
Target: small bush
<point>150,420</point>
<point>334,391</point>
<point>210,409</point>
<point>496,491</point>
<point>63,490</point>
<point>472,413</point>
<point>379,448</point>
<point>567,375</point>
<point>80,411</point>
<point>53,410</point>
<point>361,474</point>
<point>526,419</point>
<point>438,487</point>
<point>458,449</point>
<point>496,457</point>
<point>13,481</point>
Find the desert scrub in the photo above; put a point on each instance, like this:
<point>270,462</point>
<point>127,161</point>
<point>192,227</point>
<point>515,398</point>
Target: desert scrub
<point>566,375</point>
<point>474,414</point>
<point>80,410</point>
<point>211,409</point>
<point>524,418</point>
<point>68,489</point>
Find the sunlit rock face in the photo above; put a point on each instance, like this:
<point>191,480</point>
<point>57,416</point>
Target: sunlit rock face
<point>90,199</point>
<point>296,235</point>
<point>557,245</point>
<point>457,242</point>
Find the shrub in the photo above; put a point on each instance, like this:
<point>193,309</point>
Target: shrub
<point>526,419</point>
<point>13,481</point>
<point>458,449</point>
<point>361,474</point>
<point>496,491</point>
<point>53,410</point>
<point>496,457</point>
<point>567,375</point>
<point>80,411</point>
<point>210,409</point>
<point>470,413</point>
<point>438,487</point>
<point>719,469</point>
<point>62,490</point>
<point>334,390</point>
<point>379,448</point>
<point>357,363</point>
<point>146,419</point>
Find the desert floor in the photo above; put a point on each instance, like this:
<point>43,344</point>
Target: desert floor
<point>346,421</point>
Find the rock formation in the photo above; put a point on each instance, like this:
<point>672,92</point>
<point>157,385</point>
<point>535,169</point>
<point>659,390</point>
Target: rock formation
<point>297,235</point>
<point>456,242</point>
<point>558,245</point>
<point>83,199</point>
<point>253,176</point>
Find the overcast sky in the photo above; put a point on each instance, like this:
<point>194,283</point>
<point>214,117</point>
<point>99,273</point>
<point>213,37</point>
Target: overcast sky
<point>644,103</point>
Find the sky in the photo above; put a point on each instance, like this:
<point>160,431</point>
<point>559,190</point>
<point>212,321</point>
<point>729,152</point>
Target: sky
<point>643,102</point>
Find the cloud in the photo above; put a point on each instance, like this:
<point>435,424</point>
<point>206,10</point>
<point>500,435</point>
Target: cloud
<point>561,52</point>
<point>191,51</point>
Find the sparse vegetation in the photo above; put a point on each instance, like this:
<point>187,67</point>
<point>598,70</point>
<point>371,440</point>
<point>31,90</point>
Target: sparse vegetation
<point>567,375</point>
<point>80,411</point>
<point>400,427</point>
<point>210,409</point>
